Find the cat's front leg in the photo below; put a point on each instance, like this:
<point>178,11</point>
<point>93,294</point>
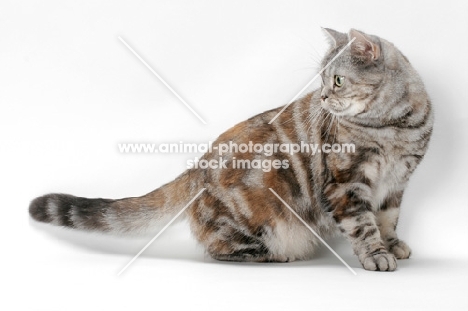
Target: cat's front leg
<point>350,206</point>
<point>387,219</point>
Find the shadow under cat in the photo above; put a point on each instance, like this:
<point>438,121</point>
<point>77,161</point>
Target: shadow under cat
<point>176,243</point>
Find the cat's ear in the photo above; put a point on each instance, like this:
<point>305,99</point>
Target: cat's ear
<point>334,37</point>
<point>363,46</point>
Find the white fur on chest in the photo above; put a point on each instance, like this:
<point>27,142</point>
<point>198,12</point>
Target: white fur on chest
<point>387,175</point>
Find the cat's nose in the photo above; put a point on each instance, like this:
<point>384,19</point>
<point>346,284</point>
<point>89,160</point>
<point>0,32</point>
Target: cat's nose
<point>324,93</point>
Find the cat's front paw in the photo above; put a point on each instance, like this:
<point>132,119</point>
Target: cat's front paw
<point>382,261</point>
<point>399,248</point>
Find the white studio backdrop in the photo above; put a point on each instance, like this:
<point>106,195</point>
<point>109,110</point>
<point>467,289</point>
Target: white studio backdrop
<point>70,92</point>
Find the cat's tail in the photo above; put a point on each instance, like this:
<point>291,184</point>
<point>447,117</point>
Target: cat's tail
<point>136,215</point>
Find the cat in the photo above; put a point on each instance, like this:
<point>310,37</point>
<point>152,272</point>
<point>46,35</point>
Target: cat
<point>370,96</point>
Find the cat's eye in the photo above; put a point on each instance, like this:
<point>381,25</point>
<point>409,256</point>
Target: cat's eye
<point>339,80</point>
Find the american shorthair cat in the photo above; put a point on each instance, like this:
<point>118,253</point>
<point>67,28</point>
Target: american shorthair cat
<point>370,96</point>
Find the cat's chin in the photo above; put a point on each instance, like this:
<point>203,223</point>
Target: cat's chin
<point>348,111</point>
<point>338,112</point>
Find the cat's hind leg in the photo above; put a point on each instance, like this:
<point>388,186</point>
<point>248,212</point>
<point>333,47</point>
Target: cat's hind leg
<point>285,241</point>
<point>264,234</point>
<point>231,244</point>
<point>251,255</point>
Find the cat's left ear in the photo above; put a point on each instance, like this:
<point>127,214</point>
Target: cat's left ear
<point>334,37</point>
<point>363,46</point>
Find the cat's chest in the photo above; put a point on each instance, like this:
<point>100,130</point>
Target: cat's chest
<point>387,174</point>
<point>385,163</point>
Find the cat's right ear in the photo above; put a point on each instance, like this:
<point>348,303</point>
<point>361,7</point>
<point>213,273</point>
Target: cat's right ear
<point>364,46</point>
<point>334,37</point>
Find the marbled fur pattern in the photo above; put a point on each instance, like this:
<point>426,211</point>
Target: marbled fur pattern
<point>382,108</point>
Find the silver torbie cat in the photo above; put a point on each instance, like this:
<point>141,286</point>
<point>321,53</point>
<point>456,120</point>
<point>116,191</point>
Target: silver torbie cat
<point>371,97</point>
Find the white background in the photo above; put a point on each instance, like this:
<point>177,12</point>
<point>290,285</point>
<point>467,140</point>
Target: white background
<point>70,91</point>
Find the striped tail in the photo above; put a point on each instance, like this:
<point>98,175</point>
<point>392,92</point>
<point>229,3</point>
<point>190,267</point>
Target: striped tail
<point>136,215</point>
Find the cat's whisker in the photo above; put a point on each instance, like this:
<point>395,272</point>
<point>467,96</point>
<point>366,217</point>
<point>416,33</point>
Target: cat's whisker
<point>314,118</point>
<point>324,120</point>
<point>307,121</point>
<point>287,120</point>
<point>318,113</point>
<point>330,126</point>
<point>337,124</point>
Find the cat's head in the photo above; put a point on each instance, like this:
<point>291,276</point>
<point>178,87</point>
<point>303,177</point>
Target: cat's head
<point>366,79</point>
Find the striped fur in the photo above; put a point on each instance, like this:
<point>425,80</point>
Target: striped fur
<point>382,108</point>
